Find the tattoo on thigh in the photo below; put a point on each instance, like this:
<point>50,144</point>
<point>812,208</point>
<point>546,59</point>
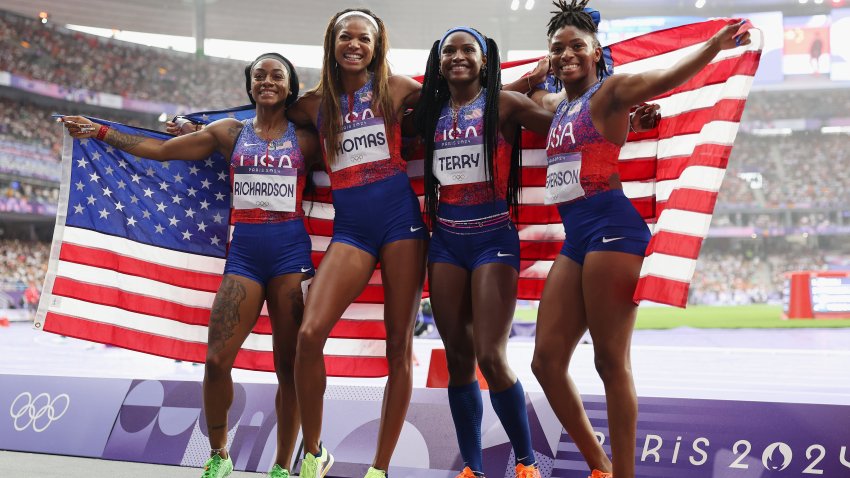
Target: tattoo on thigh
<point>224,316</point>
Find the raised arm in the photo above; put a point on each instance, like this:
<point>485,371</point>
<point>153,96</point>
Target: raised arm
<point>405,91</point>
<point>625,91</point>
<point>308,141</point>
<point>526,84</point>
<point>517,108</point>
<point>305,111</point>
<point>218,136</point>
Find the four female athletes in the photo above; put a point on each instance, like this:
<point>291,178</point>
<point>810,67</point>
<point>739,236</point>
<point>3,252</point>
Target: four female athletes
<point>357,110</point>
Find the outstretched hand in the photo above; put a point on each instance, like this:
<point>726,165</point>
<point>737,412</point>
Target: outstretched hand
<point>541,70</point>
<point>732,36</point>
<point>79,127</point>
<point>181,126</point>
<point>645,117</point>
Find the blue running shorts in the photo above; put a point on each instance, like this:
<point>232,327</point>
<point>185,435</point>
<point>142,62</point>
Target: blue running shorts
<point>604,222</point>
<point>264,251</point>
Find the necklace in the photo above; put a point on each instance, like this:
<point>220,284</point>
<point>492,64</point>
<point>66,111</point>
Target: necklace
<point>272,133</point>
<point>455,109</point>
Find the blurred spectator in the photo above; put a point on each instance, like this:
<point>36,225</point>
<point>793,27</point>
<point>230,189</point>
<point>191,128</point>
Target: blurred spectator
<point>31,297</point>
<point>22,263</point>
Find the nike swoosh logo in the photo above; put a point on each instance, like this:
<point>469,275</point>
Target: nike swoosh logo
<point>250,144</point>
<point>606,240</point>
<point>305,270</point>
<point>414,229</point>
<point>499,254</point>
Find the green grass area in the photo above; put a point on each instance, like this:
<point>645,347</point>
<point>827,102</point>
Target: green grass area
<point>714,317</point>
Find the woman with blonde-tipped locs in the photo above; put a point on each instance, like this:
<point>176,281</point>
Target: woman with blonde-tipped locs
<point>592,281</point>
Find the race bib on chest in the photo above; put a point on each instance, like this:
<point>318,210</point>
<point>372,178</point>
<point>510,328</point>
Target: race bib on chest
<point>460,161</point>
<point>362,142</point>
<point>269,189</point>
<point>563,178</point>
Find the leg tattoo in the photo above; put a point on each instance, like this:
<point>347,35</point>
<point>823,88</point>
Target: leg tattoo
<point>225,313</point>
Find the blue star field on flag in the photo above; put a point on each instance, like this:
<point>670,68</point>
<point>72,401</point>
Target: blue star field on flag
<point>180,205</point>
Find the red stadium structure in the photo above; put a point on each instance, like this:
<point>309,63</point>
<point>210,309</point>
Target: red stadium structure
<point>817,295</point>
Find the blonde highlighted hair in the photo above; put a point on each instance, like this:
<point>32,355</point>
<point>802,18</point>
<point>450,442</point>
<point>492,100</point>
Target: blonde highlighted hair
<point>330,85</point>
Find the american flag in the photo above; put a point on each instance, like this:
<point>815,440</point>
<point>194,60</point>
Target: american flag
<point>139,245</point>
<point>672,174</point>
<point>137,257</point>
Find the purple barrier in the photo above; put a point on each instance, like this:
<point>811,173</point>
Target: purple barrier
<point>82,95</point>
<point>161,422</point>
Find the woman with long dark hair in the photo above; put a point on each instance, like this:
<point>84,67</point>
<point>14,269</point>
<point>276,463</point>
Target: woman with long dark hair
<point>471,132</point>
<point>357,109</point>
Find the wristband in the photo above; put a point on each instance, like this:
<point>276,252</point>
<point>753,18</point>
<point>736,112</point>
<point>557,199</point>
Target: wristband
<point>101,133</point>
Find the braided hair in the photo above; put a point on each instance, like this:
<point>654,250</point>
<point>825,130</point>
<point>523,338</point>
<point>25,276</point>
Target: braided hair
<point>573,13</point>
<point>291,74</point>
<point>435,94</point>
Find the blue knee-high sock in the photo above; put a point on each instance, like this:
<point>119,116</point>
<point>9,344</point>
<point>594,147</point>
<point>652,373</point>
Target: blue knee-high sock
<point>467,409</point>
<point>509,406</point>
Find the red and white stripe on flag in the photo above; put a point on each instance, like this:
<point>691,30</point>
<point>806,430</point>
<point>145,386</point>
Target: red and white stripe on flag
<point>672,175</point>
<point>115,276</point>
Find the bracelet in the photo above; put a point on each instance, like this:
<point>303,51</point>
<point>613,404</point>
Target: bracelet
<point>101,133</point>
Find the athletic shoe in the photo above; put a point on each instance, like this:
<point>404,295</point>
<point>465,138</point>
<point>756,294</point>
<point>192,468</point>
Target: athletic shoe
<point>375,473</point>
<point>468,473</point>
<point>217,467</point>
<point>316,466</point>
<point>600,474</point>
<point>278,472</point>
<point>529,471</point>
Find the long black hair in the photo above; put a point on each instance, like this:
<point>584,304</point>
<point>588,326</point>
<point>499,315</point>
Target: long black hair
<point>435,94</point>
<point>290,70</point>
<point>576,14</point>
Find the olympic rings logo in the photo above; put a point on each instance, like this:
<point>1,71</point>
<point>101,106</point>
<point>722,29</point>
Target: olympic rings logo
<point>262,204</point>
<point>39,412</point>
<point>356,158</point>
<point>459,176</point>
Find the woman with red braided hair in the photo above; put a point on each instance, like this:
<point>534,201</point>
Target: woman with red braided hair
<point>592,281</point>
<point>357,109</point>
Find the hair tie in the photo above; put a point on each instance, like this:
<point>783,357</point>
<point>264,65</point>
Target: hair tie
<point>594,15</point>
<point>358,13</point>
<point>478,37</point>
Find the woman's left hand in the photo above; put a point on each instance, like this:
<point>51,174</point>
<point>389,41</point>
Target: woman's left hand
<point>728,37</point>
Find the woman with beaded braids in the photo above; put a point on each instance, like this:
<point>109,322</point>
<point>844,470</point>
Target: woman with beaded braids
<point>471,133</point>
<point>357,109</point>
<point>591,283</point>
<point>270,149</point>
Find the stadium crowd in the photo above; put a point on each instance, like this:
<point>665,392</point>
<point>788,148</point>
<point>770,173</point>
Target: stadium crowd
<point>54,54</point>
<point>736,278</point>
<point>22,263</point>
<point>768,106</point>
